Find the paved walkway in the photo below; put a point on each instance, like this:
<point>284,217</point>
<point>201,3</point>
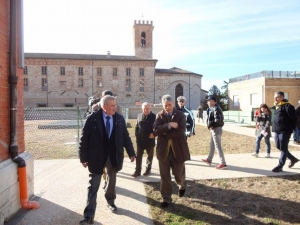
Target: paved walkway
<point>62,193</point>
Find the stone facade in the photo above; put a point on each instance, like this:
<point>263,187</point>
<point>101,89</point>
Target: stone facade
<point>248,94</point>
<point>61,80</point>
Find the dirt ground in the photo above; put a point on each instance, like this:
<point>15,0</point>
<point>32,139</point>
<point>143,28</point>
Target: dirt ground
<point>256,200</point>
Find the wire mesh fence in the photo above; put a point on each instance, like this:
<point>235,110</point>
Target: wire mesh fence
<point>51,134</point>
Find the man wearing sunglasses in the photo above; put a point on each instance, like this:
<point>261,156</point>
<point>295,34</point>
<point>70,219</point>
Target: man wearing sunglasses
<point>190,121</point>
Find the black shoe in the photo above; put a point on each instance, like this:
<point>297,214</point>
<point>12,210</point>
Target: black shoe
<point>181,192</point>
<point>277,169</point>
<point>136,174</point>
<point>112,208</point>
<point>87,220</point>
<point>164,205</point>
<point>293,162</point>
<point>147,173</point>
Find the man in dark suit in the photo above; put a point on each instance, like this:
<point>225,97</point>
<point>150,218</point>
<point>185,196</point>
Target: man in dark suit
<point>103,138</point>
<point>144,139</point>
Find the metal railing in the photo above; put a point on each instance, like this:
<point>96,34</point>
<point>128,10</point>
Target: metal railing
<point>267,73</point>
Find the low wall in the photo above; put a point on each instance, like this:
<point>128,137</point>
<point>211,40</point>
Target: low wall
<point>9,186</point>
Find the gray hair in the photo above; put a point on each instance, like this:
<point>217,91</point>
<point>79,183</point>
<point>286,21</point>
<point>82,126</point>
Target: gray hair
<point>166,98</point>
<point>106,99</point>
<point>145,103</point>
<point>279,93</point>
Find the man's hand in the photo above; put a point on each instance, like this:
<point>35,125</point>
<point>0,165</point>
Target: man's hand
<point>174,125</point>
<point>132,158</point>
<point>151,135</point>
<point>84,164</point>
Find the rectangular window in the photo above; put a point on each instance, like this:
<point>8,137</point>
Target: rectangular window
<point>44,84</point>
<point>128,72</point>
<point>44,70</point>
<point>128,85</point>
<point>99,83</point>
<point>80,71</point>
<point>62,83</point>
<point>236,101</point>
<point>99,71</point>
<point>25,84</point>
<point>141,72</point>
<point>80,82</point>
<point>62,71</point>
<point>25,70</point>
<point>254,99</point>
<point>115,72</point>
<point>286,95</point>
<point>142,85</point>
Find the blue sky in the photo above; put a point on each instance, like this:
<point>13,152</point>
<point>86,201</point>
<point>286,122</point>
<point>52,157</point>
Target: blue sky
<point>218,39</point>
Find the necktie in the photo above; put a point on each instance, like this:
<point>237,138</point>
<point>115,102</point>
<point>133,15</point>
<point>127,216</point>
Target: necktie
<point>107,125</point>
<point>169,116</point>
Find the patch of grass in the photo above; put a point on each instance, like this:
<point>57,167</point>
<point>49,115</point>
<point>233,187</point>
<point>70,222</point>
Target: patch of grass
<point>255,200</point>
<point>57,143</point>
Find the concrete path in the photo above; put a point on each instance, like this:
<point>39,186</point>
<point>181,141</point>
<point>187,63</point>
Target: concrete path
<point>61,193</point>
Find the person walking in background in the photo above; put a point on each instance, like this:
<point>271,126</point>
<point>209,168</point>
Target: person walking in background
<point>297,129</point>
<point>104,137</point>
<point>284,122</point>
<point>200,114</point>
<point>172,149</point>
<point>145,139</point>
<point>215,122</point>
<point>190,121</point>
<point>263,122</point>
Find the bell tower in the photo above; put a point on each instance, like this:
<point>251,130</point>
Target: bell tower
<point>142,37</point>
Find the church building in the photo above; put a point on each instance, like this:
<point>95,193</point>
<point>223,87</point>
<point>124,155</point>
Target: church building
<point>67,80</point>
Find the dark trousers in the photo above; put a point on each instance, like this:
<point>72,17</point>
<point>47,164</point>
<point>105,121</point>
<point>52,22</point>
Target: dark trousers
<point>178,170</point>
<point>91,204</point>
<point>110,190</point>
<point>139,157</point>
<point>282,142</point>
<point>297,134</point>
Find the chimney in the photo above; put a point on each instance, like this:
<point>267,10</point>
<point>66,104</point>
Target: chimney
<point>108,54</point>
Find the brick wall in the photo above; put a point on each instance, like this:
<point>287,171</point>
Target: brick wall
<point>4,88</point>
<point>58,96</point>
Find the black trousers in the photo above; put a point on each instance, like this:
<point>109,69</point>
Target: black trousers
<point>139,157</point>
<point>110,190</point>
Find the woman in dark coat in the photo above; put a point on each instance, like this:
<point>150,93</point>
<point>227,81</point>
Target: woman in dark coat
<point>263,123</point>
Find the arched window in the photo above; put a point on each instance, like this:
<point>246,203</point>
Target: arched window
<point>143,39</point>
<point>178,92</point>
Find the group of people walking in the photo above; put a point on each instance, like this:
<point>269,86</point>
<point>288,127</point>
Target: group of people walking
<point>286,120</point>
<point>105,135</point>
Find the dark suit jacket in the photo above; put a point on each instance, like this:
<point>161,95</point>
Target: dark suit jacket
<point>143,128</point>
<point>94,146</point>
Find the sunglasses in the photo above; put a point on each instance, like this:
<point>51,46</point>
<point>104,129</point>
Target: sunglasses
<point>181,101</point>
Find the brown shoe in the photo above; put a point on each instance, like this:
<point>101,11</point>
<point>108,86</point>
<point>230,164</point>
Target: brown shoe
<point>292,163</point>
<point>147,173</point>
<point>136,174</point>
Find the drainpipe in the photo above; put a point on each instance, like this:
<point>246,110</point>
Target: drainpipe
<point>13,80</point>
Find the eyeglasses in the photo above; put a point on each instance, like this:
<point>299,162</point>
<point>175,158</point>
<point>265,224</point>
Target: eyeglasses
<point>181,101</point>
